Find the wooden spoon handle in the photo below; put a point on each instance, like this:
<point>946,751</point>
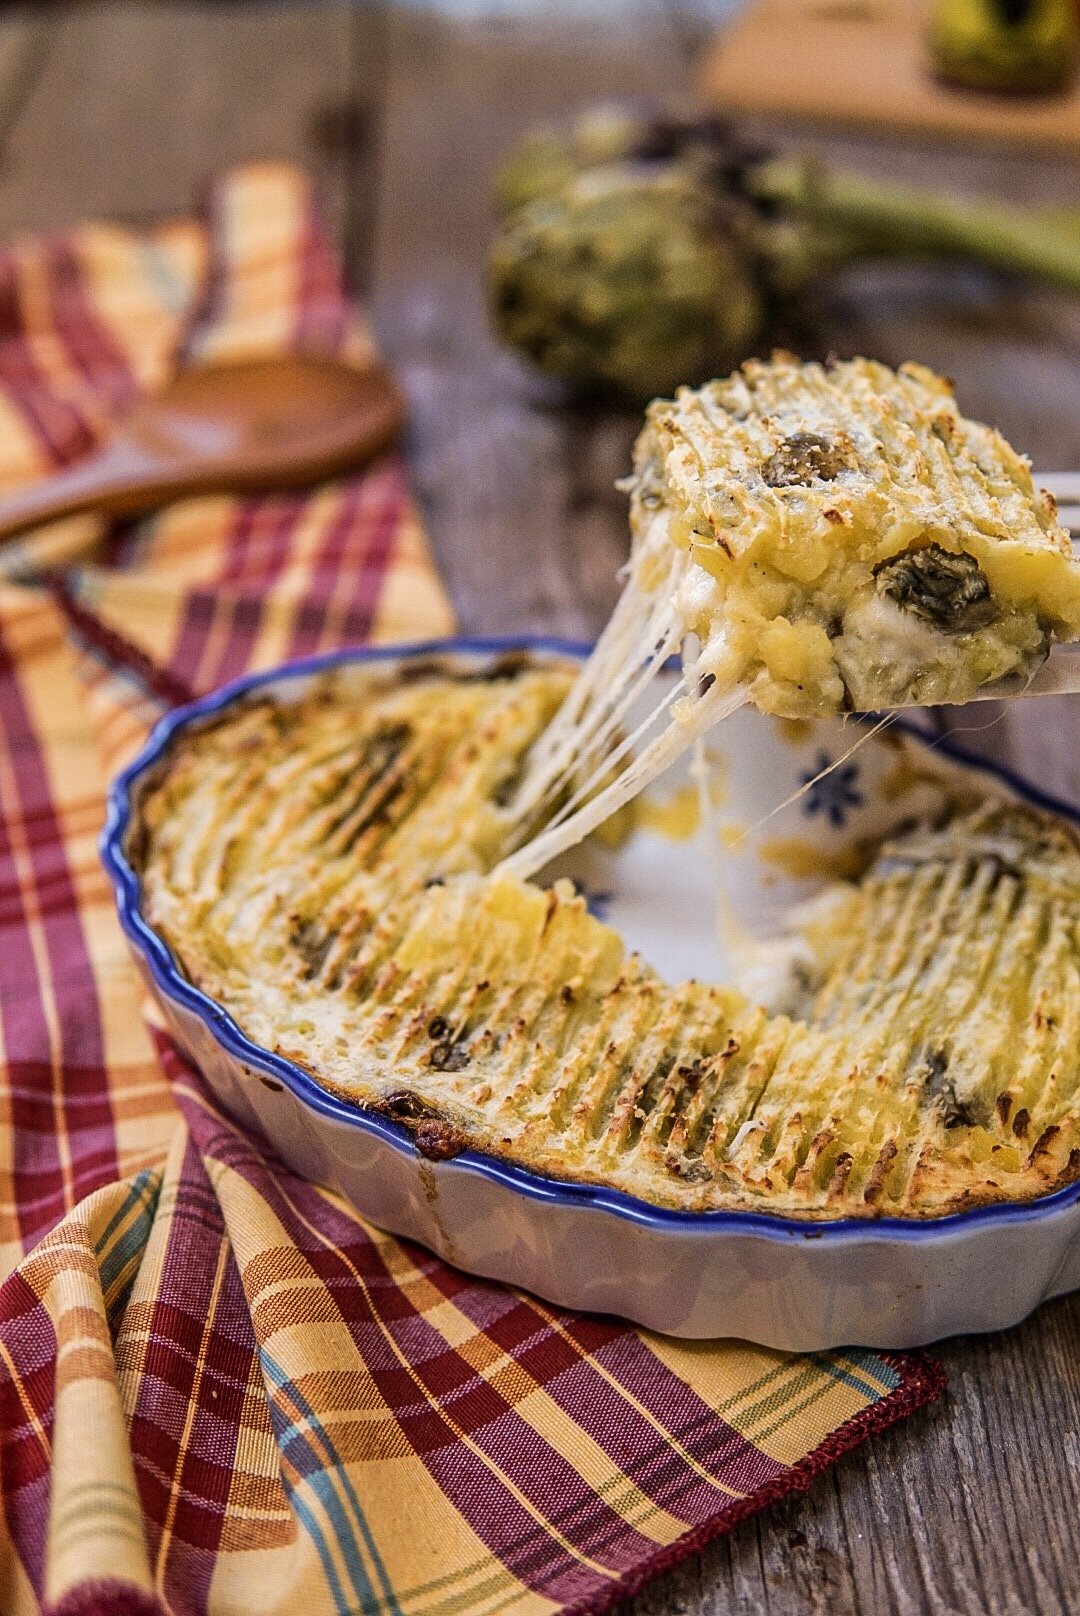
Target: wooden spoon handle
<point>116,481</point>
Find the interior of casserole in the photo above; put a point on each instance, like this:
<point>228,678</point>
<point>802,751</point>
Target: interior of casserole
<point>321,868</point>
<point>851,540</point>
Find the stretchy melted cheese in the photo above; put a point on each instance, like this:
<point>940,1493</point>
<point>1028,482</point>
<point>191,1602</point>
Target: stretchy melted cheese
<point>320,869</point>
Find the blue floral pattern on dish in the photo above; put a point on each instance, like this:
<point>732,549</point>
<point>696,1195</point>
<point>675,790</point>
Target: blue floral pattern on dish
<point>833,794</point>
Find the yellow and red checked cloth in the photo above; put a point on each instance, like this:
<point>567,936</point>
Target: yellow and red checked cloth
<point>220,1390</point>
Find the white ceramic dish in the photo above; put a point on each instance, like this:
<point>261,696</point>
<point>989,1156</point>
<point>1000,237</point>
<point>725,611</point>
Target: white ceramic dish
<point>783,1282</point>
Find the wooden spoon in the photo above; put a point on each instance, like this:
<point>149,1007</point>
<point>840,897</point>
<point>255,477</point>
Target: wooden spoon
<point>257,425</point>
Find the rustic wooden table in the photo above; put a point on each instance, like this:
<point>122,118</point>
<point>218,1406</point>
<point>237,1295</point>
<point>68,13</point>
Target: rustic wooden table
<point>971,1508</point>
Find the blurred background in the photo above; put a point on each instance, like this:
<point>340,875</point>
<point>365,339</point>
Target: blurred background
<point>404,113</point>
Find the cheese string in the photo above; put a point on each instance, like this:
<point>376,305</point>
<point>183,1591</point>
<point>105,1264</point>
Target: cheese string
<point>679,732</point>
<point>613,678</point>
<point>573,781</point>
<point>608,760</point>
<point>591,803</point>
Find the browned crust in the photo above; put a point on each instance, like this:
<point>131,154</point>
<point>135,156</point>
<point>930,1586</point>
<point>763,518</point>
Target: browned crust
<point>423,1120</point>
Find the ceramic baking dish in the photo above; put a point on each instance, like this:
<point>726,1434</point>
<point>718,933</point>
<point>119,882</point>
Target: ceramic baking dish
<point>786,1283</point>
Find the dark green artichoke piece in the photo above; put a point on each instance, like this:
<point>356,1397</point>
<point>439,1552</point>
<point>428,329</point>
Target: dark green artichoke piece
<point>804,458</point>
<point>942,587</point>
<point>941,1092</point>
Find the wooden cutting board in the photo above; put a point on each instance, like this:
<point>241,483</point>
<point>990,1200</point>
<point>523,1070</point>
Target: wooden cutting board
<point>863,64</point>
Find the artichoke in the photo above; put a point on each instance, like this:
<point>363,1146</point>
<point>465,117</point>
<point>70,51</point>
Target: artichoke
<point>632,255</point>
<point>1021,46</point>
<point>627,276</point>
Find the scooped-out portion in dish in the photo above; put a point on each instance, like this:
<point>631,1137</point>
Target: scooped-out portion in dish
<point>813,539</point>
<point>322,869</point>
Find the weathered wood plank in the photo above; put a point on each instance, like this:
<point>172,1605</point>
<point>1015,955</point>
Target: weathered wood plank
<point>970,1508</point>
<point>136,106</point>
<point>26,39</point>
<point>519,494</point>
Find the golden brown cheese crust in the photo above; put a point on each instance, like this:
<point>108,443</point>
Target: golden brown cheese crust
<point>320,870</point>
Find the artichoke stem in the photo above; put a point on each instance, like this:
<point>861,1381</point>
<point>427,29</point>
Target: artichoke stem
<point>875,219</point>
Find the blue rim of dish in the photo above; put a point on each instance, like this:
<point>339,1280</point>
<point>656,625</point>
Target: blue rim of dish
<point>523,1180</point>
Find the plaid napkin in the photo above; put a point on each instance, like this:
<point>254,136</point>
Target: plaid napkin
<point>220,1390</point>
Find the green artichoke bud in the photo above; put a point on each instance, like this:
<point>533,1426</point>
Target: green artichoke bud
<point>632,277</point>
<point>634,255</point>
<point>1016,45</point>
